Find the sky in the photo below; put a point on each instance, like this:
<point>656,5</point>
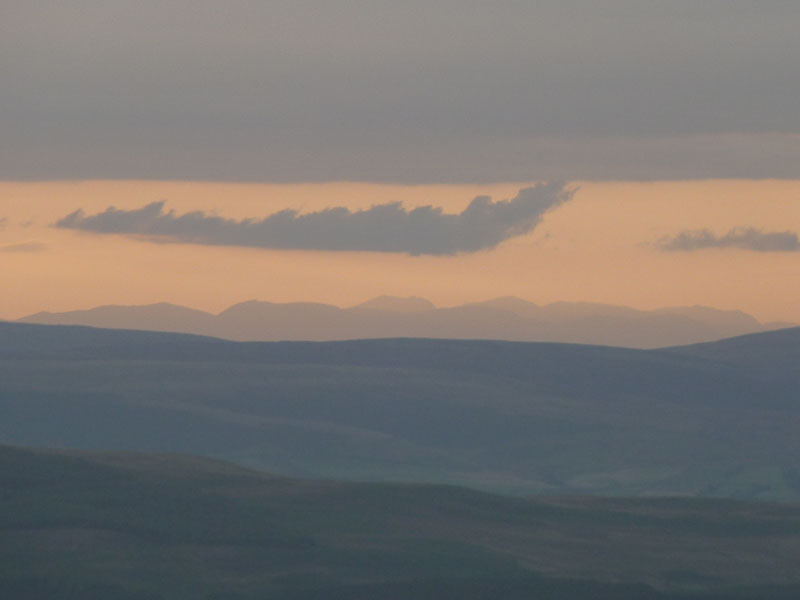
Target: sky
<point>634,152</point>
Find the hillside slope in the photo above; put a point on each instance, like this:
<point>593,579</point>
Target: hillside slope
<point>774,354</point>
<point>121,525</point>
<point>512,417</point>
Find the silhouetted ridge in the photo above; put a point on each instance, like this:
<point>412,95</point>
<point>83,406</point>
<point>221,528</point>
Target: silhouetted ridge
<point>506,318</point>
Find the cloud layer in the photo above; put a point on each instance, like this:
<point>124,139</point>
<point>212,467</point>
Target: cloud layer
<point>415,91</point>
<point>747,238</point>
<point>382,228</point>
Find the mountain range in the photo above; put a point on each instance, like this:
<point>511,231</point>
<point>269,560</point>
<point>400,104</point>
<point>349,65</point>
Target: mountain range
<point>506,318</point>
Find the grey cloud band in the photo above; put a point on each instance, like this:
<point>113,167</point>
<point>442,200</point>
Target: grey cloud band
<point>747,238</point>
<point>483,224</point>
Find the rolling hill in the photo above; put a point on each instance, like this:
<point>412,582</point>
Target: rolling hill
<point>513,417</point>
<point>155,526</point>
<point>773,354</point>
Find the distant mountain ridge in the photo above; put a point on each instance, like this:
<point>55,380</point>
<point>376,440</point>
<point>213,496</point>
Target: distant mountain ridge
<point>506,318</point>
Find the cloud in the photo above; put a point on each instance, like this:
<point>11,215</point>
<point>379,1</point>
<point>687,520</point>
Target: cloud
<point>3,223</point>
<point>32,246</point>
<point>415,91</point>
<point>382,228</point>
<point>747,238</point>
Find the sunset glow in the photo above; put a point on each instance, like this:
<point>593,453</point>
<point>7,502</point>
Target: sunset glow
<point>598,247</point>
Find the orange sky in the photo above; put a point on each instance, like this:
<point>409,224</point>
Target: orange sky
<point>597,247</point>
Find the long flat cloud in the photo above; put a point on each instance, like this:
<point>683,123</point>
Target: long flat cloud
<point>747,238</point>
<point>414,91</point>
<point>390,227</point>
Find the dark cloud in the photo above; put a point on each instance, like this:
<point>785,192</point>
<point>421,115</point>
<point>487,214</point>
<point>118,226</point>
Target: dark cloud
<point>747,238</point>
<point>445,91</point>
<point>381,228</point>
<point>32,246</point>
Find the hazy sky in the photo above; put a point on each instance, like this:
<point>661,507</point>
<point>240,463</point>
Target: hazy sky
<point>206,153</point>
<point>414,91</point>
<point>604,244</point>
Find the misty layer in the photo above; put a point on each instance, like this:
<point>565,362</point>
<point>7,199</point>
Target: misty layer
<point>483,224</point>
<point>747,238</point>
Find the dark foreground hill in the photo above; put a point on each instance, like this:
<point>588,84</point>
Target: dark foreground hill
<point>150,526</point>
<point>772,354</point>
<point>514,417</point>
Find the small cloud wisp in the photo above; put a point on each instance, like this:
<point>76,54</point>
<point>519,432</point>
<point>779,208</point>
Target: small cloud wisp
<point>483,224</point>
<point>746,238</point>
<point>32,246</point>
